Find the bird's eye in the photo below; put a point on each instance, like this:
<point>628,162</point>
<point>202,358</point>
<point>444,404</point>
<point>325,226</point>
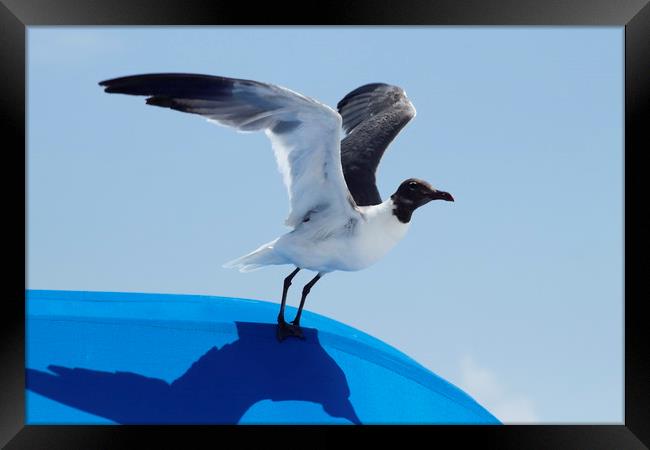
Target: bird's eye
<point>412,185</point>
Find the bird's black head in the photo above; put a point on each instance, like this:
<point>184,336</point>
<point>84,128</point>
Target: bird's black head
<point>412,194</point>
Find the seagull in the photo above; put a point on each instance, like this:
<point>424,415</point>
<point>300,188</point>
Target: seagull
<point>337,218</point>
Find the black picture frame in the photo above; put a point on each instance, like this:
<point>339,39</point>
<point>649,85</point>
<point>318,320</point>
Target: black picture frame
<point>634,15</point>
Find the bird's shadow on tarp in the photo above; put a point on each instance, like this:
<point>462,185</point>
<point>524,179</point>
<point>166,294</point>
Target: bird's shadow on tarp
<point>217,388</point>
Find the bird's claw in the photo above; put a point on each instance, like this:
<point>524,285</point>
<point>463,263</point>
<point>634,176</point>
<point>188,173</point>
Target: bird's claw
<point>285,330</point>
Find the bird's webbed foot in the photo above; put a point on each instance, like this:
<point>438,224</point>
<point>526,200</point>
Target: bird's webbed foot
<point>285,330</point>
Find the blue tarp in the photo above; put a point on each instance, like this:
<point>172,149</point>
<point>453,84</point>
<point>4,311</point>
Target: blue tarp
<point>127,358</point>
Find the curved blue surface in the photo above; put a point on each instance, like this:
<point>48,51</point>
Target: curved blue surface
<point>102,358</point>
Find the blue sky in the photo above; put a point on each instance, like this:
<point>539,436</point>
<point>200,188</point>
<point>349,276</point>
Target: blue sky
<point>514,292</point>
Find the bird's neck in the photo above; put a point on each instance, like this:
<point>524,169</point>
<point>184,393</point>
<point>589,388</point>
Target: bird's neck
<point>384,215</point>
<point>402,208</point>
<point>381,223</point>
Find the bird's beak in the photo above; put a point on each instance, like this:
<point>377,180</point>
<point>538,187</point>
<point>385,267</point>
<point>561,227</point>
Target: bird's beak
<point>441,195</point>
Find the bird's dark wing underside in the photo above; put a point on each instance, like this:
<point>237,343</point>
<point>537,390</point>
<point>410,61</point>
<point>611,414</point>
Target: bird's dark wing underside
<point>373,115</point>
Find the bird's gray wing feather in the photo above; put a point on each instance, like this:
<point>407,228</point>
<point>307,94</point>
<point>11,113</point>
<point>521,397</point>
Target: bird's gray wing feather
<point>373,115</point>
<point>305,134</point>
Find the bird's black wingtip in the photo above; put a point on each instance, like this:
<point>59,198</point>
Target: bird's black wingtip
<point>366,88</point>
<point>107,82</point>
<point>164,102</point>
<point>112,90</point>
<point>122,85</point>
<point>119,84</point>
<point>109,89</point>
<point>183,85</point>
<point>108,85</point>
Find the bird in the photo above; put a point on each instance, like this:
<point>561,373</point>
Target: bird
<point>328,161</point>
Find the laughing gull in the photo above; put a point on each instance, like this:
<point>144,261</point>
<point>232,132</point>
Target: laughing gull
<point>338,219</point>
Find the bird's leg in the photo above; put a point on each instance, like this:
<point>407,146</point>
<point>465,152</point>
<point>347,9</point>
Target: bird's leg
<point>287,283</point>
<point>284,329</point>
<point>305,292</point>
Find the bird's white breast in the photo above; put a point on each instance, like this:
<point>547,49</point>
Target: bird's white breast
<point>377,234</point>
<point>316,246</point>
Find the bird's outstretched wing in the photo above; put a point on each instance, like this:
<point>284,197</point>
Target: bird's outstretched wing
<point>373,115</point>
<point>305,134</point>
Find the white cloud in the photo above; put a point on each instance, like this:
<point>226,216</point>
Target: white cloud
<point>484,385</point>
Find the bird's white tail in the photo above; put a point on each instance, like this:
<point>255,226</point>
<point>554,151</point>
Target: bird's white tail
<point>263,256</point>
